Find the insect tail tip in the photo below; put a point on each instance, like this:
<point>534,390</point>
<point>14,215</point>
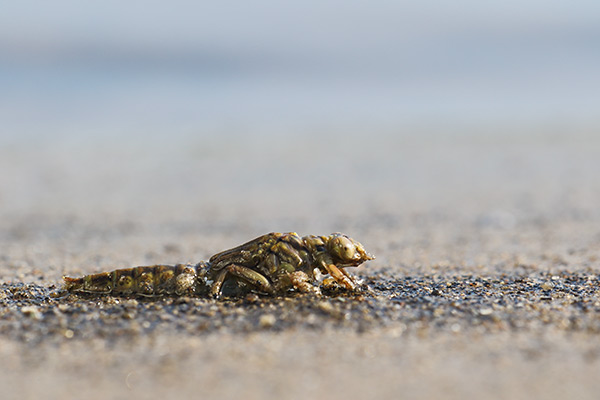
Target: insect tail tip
<point>72,283</point>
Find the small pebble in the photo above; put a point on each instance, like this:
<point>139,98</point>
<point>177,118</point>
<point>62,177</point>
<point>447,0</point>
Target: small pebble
<point>132,303</point>
<point>267,320</point>
<point>32,312</point>
<point>129,315</point>
<point>325,306</point>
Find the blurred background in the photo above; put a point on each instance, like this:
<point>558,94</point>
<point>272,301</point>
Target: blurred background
<point>243,111</point>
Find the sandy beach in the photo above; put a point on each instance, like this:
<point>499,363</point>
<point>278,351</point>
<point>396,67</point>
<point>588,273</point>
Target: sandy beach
<point>457,141</point>
<point>485,285</point>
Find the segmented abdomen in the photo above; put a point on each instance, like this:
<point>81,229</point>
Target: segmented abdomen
<point>155,280</point>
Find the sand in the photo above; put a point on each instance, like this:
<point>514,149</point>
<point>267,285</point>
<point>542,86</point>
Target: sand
<point>486,283</point>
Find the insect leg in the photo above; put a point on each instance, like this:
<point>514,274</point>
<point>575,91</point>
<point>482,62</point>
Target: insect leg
<point>340,276</point>
<point>242,273</point>
<point>343,271</point>
<point>215,288</point>
<point>251,277</point>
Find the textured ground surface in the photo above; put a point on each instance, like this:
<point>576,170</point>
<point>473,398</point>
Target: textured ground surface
<point>486,283</point>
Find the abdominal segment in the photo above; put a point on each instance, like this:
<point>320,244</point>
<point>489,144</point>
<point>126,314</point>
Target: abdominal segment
<point>155,280</point>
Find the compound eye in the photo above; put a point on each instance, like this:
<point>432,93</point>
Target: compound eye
<point>344,248</point>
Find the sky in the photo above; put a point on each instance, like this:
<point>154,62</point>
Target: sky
<point>121,68</point>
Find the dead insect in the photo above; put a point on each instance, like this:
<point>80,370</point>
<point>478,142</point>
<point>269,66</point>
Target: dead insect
<point>271,264</point>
